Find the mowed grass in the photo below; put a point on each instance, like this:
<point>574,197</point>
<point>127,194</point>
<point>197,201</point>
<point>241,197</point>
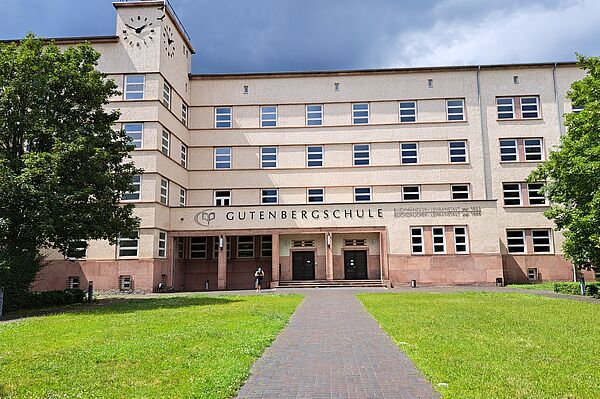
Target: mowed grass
<point>548,286</point>
<point>496,345</point>
<point>183,347</point>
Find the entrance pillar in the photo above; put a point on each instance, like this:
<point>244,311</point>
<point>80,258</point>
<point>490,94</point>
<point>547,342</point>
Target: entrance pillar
<point>222,264</point>
<point>383,256</point>
<point>274,260</point>
<point>328,256</point>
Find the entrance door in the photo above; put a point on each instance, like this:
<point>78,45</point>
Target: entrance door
<point>303,265</point>
<point>355,265</point>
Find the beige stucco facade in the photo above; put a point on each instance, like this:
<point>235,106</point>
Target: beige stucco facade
<point>437,238</point>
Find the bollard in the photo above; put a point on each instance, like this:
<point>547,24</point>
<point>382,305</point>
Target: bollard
<point>582,285</point>
<point>413,283</point>
<point>1,300</point>
<point>90,292</point>
<point>206,285</point>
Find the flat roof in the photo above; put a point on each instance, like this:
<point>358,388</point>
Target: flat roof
<point>72,39</point>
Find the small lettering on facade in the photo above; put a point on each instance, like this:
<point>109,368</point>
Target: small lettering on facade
<point>456,211</point>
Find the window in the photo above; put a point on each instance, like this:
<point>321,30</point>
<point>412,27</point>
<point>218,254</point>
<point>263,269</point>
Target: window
<point>269,196</point>
<point>533,149</point>
<point>459,191</point>
<point>360,113</point>
<point>457,151</point>
<point>534,195</point>
<point>227,244</point>
<point>128,245</point>
<point>314,156</point>
<point>411,193</point>
<point>268,157</point>
<point>266,246</point>
<point>529,107</point>
<point>245,247</point>
<point>268,116</point>
<point>135,131</point>
<point>162,244</point>
<point>125,283</point>
<point>505,107</point>
<point>460,240</point>
<point>164,191</point>
<point>515,241</point>
<point>166,141</point>
<point>508,150</point>
<point>362,194</point>
<point>223,158</point>
<point>136,193</point>
<point>532,274</point>
<point>408,111</point>
<point>73,282</point>
<point>512,194</point>
<point>439,240</point>
<point>416,240</point>
<point>409,153</point>
<point>198,248</point>
<point>355,243</point>
<point>361,154</point>
<point>184,114</point>
<point>455,110</point>
<point>576,108</point>
<point>183,156</point>
<point>541,240</point>
<point>134,87</point>
<point>315,195</point>
<point>180,247</point>
<point>167,96</point>
<point>222,198</point>
<point>314,115</point>
<point>182,196</point>
<point>77,249</point>
<point>303,243</point>
<point>222,117</point>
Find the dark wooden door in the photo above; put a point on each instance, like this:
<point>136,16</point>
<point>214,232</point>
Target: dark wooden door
<point>355,265</point>
<point>303,265</point>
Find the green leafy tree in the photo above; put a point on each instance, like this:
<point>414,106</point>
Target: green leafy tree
<point>572,172</point>
<point>63,167</point>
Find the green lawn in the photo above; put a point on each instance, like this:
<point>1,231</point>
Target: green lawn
<point>184,347</point>
<point>548,285</point>
<point>496,345</point>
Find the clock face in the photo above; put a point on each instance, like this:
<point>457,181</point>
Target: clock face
<point>168,41</point>
<point>139,31</point>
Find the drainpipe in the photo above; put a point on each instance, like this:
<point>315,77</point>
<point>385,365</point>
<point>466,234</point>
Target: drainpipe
<point>487,167</point>
<point>561,128</point>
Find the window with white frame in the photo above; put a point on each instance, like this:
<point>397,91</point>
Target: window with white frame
<point>198,248</point>
<point>314,156</point>
<point>167,96</point>
<point>362,194</point>
<point>416,240</point>
<point>576,108</point>
<point>223,117</point>
<point>532,149</point>
<point>411,193</point>
<point>459,192</point>
<point>512,194</point>
<point>222,197</point>
<point>226,243</point>
<point>457,151</point>
<point>505,107</point>
<point>268,116</point>
<point>162,244</point>
<point>165,143</point>
<point>180,247</point>
<point>164,191</point>
<point>409,153</point>
<point>532,273</point>
<point>77,249</point>
<point>315,195</point>
<point>438,236</point>
<point>182,196</point>
<point>183,156</point>
<point>245,247</point>
<point>460,240</point>
<point>360,113</point>
<point>269,196</point>
<point>223,158</point>
<point>184,114</point>
<point>136,192</point>
<point>128,244</point>
<point>408,111</point>
<point>135,131</point>
<point>530,107</point>
<point>73,282</point>
<point>266,246</point>
<point>541,241</point>
<point>508,150</point>
<point>314,115</point>
<point>268,157</point>
<point>535,197</point>
<point>455,110</point>
<point>125,283</point>
<point>361,154</point>
<point>515,241</point>
<point>134,87</point>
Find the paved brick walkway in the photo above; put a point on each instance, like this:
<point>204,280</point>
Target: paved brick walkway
<point>332,348</point>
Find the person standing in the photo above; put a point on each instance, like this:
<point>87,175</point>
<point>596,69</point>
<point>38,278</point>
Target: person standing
<point>259,274</point>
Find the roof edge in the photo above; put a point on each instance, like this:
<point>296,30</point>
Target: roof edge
<point>71,40</point>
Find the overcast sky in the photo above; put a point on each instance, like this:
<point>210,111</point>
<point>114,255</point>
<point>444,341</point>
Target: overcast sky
<point>296,35</point>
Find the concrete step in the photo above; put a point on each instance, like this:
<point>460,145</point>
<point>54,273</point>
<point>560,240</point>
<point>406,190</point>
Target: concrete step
<point>330,283</point>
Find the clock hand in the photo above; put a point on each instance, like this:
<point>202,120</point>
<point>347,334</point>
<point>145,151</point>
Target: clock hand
<point>140,29</point>
<point>129,26</point>
<point>170,41</point>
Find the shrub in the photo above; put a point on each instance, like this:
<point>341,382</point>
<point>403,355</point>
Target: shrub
<point>573,288</point>
<point>42,299</point>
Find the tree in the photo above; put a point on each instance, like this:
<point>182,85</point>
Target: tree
<point>63,167</point>
<point>572,172</point>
